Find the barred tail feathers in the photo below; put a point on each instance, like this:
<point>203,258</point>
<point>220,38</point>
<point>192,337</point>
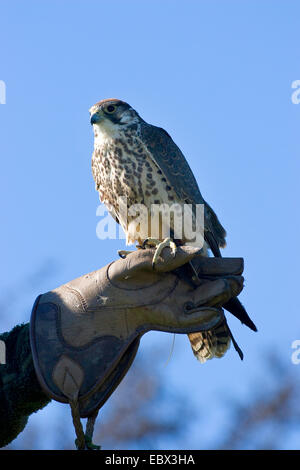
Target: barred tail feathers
<point>209,344</point>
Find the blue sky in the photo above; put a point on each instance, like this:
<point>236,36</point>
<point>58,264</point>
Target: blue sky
<point>217,76</point>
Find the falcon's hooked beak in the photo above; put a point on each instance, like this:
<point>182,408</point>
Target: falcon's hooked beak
<point>96,118</point>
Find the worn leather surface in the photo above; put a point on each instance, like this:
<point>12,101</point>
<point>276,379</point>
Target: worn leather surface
<point>85,334</point>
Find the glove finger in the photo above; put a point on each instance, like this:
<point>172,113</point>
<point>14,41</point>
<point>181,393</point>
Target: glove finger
<point>167,261</point>
<point>203,264</point>
<point>200,319</point>
<point>139,261</point>
<point>217,292</point>
<point>218,266</point>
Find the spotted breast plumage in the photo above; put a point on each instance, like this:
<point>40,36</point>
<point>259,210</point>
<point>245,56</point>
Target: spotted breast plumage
<point>141,163</point>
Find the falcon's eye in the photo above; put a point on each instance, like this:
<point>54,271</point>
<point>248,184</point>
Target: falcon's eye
<point>110,108</point>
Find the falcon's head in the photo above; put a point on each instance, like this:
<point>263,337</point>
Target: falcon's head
<point>111,114</point>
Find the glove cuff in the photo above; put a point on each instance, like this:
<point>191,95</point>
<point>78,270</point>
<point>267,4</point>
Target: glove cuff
<point>88,374</point>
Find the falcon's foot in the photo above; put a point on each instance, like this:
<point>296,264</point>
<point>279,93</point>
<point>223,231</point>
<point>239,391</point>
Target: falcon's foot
<point>167,243</point>
<point>124,253</point>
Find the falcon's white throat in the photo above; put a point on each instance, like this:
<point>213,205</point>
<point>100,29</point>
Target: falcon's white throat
<point>106,130</point>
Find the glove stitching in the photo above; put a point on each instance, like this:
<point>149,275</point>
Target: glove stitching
<point>78,295</point>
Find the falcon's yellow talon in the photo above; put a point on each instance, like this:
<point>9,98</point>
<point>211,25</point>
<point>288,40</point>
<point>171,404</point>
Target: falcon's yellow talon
<point>167,243</point>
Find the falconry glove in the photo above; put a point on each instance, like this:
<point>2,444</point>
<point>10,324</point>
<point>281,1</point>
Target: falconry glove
<point>85,334</point>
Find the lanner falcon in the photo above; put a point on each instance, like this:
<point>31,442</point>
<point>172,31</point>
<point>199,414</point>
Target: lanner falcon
<point>140,162</point>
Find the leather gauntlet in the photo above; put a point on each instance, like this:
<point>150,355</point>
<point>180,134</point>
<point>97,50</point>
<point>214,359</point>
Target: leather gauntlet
<point>85,334</point>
